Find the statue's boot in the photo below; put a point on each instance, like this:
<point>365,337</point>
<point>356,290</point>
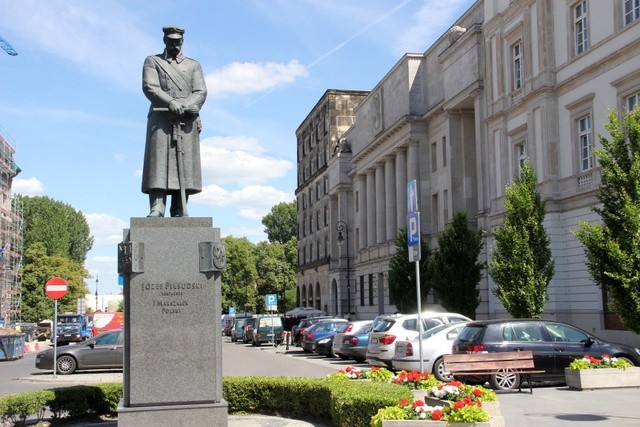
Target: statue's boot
<point>158,202</point>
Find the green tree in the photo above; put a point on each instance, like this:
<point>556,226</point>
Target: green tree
<point>454,269</point>
<point>281,222</point>
<point>277,271</point>
<point>37,270</point>
<point>402,275</point>
<point>522,265</point>
<point>62,229</point>
<point>613,247</point>
<point>240,277</point>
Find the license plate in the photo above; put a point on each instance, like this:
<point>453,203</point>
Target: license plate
<point>374,340</point>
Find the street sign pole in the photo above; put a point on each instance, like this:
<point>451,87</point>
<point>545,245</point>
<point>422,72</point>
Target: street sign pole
<point>55,288</point>
<point>413,247</point>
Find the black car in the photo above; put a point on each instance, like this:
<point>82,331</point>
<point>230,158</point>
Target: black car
<point>104,351</point>
<point>554,346</point>
<point>298,331</point>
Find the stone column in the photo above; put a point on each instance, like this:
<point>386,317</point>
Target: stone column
<point>371,208</point>
<point>381,217</point>
<point>361,214</point>
<point>390,197</point>
<point>401,187</point>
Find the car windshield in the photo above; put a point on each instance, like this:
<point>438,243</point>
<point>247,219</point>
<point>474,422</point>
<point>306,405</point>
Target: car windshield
<point>68,320</point>
<point>270,321</point>
<point>384,325</point>
<point>470,333</point>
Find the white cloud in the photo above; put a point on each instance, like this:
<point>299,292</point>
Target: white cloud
<point>106,229</point>
<point>238,160</point>
<point>253,202</point>
<point>27,187</point>
<point>252,77</point>
<point>96,30</point>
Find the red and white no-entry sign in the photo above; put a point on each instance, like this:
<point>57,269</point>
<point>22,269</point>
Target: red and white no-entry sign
<point>56,288</point>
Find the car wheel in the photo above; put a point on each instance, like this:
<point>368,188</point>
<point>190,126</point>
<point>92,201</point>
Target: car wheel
<point>359,359</point>
<point>440,373</point>
<point>505,380</point>
<point>626,359</point>
<point>343,357</point>
<point>66,365</point>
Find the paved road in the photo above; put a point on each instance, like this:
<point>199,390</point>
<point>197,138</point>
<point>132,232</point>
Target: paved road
<point>548,406</point>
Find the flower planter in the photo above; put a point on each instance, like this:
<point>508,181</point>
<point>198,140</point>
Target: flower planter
<point>418,423</point>
<point>492,408</point>
<point>589,379</point>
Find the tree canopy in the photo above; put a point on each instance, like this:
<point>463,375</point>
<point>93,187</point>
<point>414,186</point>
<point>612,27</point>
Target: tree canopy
<point>454,269</point>
<point>613,247</point>
<point>281,222</point>
<point>402,275</point>
<point>59,227</point>
<point>522,265</point>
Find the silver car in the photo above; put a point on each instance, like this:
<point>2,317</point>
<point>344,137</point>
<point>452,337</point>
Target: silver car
<point>104,351</point>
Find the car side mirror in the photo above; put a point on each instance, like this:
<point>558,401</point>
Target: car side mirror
<point>589,342</point>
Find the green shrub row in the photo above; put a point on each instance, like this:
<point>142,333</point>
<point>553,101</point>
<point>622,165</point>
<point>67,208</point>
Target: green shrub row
<point>332,401</point>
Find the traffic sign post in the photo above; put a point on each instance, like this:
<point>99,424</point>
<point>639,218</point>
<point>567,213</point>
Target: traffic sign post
<point>55,288</point>
<point>272,305</point>
<point>413,247</point>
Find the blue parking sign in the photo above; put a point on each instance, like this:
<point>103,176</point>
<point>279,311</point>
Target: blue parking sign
<point>272,302</point>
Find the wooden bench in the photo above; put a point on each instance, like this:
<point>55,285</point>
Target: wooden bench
<point>480,364</point>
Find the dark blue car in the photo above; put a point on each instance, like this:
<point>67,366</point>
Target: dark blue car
<point>318,331</point>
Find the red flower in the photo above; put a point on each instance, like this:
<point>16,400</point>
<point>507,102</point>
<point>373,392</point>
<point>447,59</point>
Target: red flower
<point>476,392</point>
<point>404,402</point>
<point>459,404</point>
<point>436,415</point>
<point>418,403</point>
<point>375,368</point>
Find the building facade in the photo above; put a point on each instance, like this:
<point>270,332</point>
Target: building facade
<point>510,81</point>
<point>11,226</point>
<point>319,141</point>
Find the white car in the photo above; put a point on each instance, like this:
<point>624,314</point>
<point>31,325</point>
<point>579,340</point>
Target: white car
<point>436,342</point>
<point>383,337</point>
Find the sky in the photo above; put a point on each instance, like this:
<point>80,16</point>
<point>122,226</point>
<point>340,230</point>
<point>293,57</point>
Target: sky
<point>71,101</point>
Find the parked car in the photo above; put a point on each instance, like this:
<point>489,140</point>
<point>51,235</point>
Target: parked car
<point>247,332</point>
<point>436,342</point>
<point>104,351</point>
<point>238,328</point>
<point>554,346</point>
<point>350,341</point>
<point>383,337</point>
<point>267,329</point>
<point>298,331</point>
<point>318,331</point>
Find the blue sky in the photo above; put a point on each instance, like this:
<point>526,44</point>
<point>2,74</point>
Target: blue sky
<point>71,101</point>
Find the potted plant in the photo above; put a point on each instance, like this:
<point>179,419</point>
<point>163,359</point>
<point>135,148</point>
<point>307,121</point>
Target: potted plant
<point>590,373</point>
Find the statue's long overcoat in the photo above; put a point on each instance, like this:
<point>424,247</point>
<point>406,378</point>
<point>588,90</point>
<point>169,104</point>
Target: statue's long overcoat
<point>162,81</point>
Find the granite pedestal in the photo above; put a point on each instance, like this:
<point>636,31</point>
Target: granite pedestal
<point>173,355</point>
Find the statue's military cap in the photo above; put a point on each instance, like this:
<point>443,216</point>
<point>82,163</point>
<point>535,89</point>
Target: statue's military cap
<point>173,32</point>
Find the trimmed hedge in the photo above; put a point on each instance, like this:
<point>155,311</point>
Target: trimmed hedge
<point>334,401</point>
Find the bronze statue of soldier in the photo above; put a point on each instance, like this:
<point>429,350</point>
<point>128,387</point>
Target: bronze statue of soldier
<point>176,88</point>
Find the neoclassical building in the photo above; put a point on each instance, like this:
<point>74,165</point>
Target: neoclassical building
<point>511,80</point>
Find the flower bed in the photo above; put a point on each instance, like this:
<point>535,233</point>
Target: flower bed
<point>590,373</point>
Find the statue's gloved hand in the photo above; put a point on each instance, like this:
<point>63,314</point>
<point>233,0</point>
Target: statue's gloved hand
<point>176,107</point>
<point>192,110</point>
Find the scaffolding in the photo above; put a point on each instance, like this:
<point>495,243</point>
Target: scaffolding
<point>11,226</point>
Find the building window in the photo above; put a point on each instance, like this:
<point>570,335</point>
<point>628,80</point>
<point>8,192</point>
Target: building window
<point>633,100</point>
<point>631,11</point>
<point>435,213</point>
<point>521,153</point>
<point>318,220</point>
<point>445,205</point>
<point>585,140</point>
<point>361,291</point>
<point>434,157</point>
<point>444,151</point>
<point>371,289</point>
<point>581,27</point>
<point>516,53</point>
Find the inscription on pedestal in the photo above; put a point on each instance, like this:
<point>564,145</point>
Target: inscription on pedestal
<point>171,298</point>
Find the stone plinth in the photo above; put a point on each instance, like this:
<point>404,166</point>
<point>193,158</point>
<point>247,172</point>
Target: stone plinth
<point>172,296</point>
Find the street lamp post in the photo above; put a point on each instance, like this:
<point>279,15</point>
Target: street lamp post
<point>343,235</point>
<point>96,292</point>
<point>279,271</point>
